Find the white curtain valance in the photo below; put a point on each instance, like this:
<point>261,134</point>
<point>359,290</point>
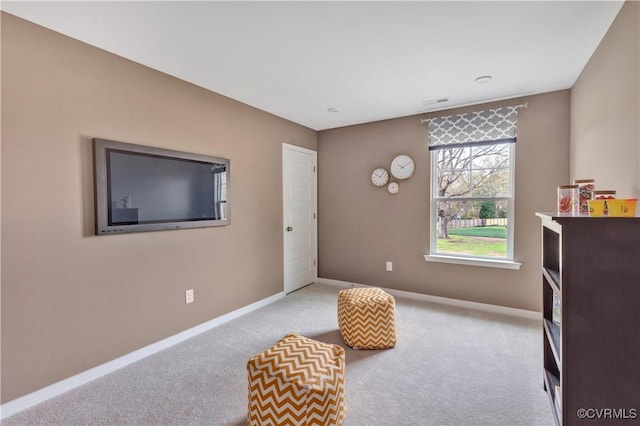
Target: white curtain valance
<point>488,126</point>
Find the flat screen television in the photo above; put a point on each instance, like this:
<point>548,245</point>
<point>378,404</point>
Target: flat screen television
<point>141,188</point>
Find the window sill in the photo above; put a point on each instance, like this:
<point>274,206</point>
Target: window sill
<point>488,263</point>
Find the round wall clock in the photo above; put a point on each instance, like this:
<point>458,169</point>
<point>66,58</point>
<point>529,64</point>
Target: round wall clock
<point>403,167</point>
<point>380,177</point>
<point>393,188</point>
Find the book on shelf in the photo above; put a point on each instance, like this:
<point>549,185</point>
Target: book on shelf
<point>557,312</point>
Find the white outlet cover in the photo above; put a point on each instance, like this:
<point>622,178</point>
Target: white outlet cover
<point>188,295</point>
<point>389,266</point>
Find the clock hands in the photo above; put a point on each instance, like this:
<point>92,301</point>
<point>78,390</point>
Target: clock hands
<point>402,167</point>
<point>379,176</point>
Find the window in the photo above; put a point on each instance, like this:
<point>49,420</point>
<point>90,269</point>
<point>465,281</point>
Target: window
<point>472,181</point>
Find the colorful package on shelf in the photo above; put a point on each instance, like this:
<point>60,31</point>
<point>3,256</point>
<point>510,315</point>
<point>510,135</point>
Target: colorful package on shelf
<point>568,199</point>
<point>585,193</point>
<point>598,207</point>
<point>604,194</point>
<point>622,207</point>
<point>613,207</point>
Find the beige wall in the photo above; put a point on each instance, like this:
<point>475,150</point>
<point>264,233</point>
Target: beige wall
<point>605,109</point>
<point>362,226</point>
<point>71,300</point>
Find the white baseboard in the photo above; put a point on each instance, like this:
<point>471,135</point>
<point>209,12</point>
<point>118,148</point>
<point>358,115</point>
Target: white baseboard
<point>495,309</point>
<point>13,407</point>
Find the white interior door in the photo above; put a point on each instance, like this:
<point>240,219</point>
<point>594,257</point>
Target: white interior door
<point>300,230</point>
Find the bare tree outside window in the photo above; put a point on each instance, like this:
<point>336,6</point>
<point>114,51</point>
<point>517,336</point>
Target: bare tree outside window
<point>472,189</point>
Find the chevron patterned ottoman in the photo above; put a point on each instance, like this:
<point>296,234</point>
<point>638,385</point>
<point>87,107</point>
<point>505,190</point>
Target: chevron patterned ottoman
<point>298,381</point>
<point>367,318</point>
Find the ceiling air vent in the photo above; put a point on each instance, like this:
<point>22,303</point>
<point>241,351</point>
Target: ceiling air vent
<point>435,101</point>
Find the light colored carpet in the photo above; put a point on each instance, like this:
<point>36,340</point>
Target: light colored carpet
<point>451,366</point>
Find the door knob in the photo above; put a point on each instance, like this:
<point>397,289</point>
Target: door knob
<point>289,228</point>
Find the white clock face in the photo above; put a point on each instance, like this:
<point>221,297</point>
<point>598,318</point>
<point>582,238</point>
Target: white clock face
<point>393,188</point>
<point>402,167</point>
<point>380,177</point>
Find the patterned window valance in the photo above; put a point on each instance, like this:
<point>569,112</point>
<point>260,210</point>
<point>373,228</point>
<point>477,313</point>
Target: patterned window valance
<point>480,127</point>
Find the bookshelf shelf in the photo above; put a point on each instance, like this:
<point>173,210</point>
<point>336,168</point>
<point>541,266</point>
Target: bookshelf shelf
<point>552,383</point>
<point>553,277</point>
<point>552,331</point>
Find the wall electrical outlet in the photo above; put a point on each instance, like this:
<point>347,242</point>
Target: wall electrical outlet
<point>389,266</point>
<point>188,296</point>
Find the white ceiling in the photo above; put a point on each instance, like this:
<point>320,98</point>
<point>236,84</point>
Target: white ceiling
<point>370,60</point>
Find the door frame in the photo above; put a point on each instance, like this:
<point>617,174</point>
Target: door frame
<point>314,243</point>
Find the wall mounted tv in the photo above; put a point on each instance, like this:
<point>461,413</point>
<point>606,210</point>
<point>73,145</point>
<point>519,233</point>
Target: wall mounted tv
<point>140,188</point>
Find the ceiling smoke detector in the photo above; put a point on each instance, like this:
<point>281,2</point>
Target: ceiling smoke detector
<point>483,79</point>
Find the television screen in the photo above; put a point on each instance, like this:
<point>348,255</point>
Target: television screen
<point>140,188</point>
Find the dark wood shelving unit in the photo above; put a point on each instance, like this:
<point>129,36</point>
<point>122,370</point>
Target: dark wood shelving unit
<point>592,349</point>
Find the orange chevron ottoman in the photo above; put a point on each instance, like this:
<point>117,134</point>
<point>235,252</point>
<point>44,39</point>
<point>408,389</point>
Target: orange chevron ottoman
<point>298,381</point>
<point>367,318</point>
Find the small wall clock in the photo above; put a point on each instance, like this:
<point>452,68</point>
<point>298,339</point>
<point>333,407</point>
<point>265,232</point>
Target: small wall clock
<point>393,188</point>
<point>380,177</point>
<point>403,167</point>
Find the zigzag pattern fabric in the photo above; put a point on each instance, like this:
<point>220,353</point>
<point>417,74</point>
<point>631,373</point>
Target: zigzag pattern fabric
<point>297,382</point>
<point>367,318</point>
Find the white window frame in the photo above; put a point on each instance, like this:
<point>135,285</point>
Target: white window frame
<point>465,259</point>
